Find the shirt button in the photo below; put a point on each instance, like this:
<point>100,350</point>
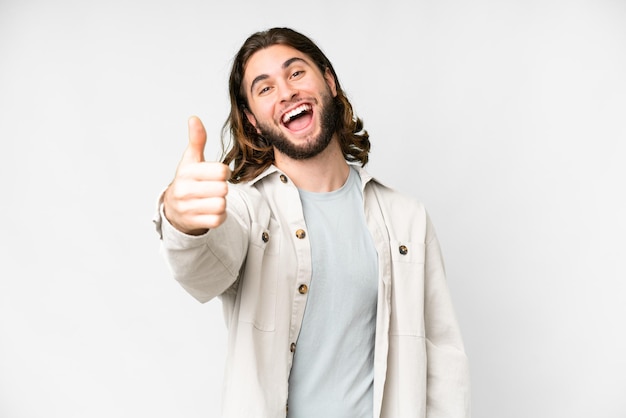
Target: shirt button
<point>300,234</point>
<point>283,178</point>
<point>292,347</point>
<point>303,289</point>
<point>403,250</point>
<point>265,237</point>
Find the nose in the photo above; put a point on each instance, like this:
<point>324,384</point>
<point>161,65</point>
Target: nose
<point>287,92</point>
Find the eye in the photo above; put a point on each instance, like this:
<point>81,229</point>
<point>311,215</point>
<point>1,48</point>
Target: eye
<point>264,90</point>
<point>297,73</point>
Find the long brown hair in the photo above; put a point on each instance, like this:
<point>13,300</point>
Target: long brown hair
<point>250,152</point>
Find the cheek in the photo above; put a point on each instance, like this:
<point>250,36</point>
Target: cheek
<point>262,109</point>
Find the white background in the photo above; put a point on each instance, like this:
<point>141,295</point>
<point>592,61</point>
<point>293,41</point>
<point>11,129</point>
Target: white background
<point>506,118</point>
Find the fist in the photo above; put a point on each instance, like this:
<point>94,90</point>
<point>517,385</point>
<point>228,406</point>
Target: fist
<point>196,200</point>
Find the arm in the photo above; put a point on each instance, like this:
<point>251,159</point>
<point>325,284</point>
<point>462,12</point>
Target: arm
<point>448,369</point>
<point>203,247</point>
<point>205,265</point>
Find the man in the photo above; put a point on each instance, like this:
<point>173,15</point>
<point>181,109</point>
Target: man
<point>332,284</point>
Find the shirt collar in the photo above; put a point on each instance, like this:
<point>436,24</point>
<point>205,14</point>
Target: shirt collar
<point>269,170</point>
<point>365,176</point>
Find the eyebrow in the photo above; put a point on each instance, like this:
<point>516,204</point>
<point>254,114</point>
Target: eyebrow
<point>285,65</point>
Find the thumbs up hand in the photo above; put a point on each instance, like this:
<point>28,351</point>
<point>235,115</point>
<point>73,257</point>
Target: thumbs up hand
<point>196,200</point>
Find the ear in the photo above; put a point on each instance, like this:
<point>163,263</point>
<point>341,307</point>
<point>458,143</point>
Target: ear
<point>330,80</point>
<point>251,119</point>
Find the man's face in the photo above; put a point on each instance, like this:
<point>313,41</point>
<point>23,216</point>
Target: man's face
<point>291,101</point>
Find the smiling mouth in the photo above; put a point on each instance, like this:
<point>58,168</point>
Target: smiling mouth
<point>298,118</point>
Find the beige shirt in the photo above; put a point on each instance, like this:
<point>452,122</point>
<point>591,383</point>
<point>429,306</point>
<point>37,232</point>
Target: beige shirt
<point>259,263</point>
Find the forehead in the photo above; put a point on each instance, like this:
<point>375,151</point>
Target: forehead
<point>270,60</point>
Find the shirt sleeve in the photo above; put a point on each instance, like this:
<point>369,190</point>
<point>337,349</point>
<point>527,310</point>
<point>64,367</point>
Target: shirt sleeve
<point>205,265</point>
<point>448,384</point>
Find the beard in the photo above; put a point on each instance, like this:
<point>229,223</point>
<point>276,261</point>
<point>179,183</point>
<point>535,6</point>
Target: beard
<point>329,115</point>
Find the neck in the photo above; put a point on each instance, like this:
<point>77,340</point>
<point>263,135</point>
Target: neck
<point>325,172</point>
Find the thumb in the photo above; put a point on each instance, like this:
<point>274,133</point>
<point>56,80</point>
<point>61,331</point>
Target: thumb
<point>197,140</point>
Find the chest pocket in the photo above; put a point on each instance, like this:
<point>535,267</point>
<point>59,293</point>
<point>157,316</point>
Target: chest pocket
<point>407,289</point>
<point>259,277</point>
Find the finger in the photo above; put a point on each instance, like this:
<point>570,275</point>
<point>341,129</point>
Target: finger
<point>199,224</point>
<point>186,215</point>
<point>205,206</point>
<point>200,190</point>
<point>205,171</point>
<point>210,221</point>
<point>197,141</point>
<point>210,214</point>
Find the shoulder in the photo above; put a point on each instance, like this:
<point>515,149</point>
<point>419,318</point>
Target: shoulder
<point>390,199</point>
<point>405,217</point>
<point>396,200</point>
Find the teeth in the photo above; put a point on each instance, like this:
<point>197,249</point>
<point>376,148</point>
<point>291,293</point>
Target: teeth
<point>289,115</point>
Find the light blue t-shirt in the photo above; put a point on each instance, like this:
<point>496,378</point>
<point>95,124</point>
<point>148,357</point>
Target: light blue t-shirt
<point>333,369</point>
